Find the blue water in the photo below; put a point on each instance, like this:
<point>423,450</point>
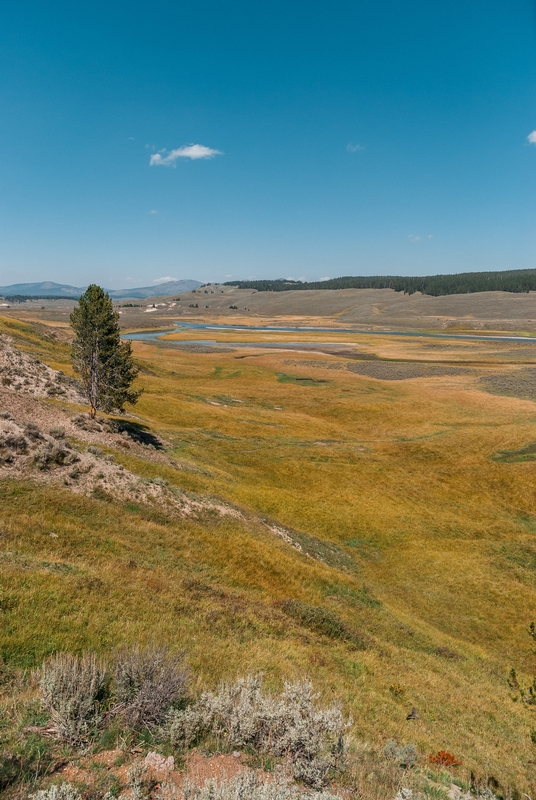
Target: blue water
<point>201,326</point>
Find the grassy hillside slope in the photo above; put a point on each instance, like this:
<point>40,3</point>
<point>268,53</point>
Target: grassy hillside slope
<point>408,530</point>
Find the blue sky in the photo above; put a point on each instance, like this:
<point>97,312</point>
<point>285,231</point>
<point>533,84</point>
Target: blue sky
<point>332,139</point>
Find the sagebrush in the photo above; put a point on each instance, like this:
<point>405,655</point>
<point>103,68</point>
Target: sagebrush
<point>249,786</point>
<point>61,791</point>
<point>288,725</point>
<point>73,690</point>
<point>147,682</point>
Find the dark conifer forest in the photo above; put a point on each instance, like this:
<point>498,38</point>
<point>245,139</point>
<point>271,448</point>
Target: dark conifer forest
<point>517,280</point>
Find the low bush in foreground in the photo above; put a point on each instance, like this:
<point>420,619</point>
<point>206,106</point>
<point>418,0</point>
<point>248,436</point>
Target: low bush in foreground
<point>147,682</point>
<point>82,693</point>
<point>289,725</point>
<point>250,787</point>
<point>140,699</point>
<point>61,791</point>
<point>73,691</point>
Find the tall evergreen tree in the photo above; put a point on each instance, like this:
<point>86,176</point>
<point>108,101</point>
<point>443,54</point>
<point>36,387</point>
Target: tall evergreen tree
<point>102,360</point>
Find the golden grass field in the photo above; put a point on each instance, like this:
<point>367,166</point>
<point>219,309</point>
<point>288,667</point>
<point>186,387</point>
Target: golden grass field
<point>435,537</point>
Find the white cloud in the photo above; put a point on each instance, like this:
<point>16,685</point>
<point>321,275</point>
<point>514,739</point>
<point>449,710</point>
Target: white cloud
<point>164,280</point>
<point>153,211</point>
<point>230,275</point>
<point>353,147</point>
<point>414,238</point>
<point>532,137</point>
<point>192,151</point>
<point>327,278</point>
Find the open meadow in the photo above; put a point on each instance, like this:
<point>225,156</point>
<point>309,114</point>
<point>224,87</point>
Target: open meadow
<point>378,535</point>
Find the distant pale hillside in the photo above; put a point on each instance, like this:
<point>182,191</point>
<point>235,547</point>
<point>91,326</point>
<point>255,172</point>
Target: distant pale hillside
<point>370,307</point>
<point>49,289</point>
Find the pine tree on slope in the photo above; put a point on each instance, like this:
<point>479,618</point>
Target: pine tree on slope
<point>103,362</point>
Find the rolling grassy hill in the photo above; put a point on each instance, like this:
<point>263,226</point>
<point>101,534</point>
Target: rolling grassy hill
<point>379,545</point>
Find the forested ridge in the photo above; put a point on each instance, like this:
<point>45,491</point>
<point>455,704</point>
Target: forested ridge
<point>517,280</point>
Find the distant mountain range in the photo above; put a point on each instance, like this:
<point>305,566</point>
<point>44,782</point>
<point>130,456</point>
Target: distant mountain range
<point>51,289</point>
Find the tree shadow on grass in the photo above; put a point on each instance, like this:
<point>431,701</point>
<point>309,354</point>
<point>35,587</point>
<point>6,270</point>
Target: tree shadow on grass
<point>139,433</point>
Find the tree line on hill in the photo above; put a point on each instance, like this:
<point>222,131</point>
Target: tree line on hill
<point>516,280</point>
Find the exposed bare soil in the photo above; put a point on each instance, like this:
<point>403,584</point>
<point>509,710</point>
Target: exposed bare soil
<point>160,775</point>
<point>44,441</point>
<point>23,373</point>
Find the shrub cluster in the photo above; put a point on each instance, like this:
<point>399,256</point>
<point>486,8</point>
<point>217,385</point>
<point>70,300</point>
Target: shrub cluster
<point>288,725</point>
<point>147,683</point>
<point>249,786</point>
<point>14,442</point>
<point>404,755</point>
<point>61,791</point>
<point>82,693</point>
<point>73,691</point>
<point>146,689</point>
<point>54,453</point>
<point>32,431</point>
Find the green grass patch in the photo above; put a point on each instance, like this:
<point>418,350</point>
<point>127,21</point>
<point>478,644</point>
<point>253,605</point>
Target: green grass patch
<point>283,378</point>
<point>527,453</point>
<point>323,621</point>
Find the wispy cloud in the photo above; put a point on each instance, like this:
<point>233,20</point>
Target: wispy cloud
<point>191,151</point>
<point>229,275</point>
<point>164,280</point>
<point>353,147</point>
<point>327,278</point>
<point>153,211</point>
<point>532,137</point>
<point>414,238</point>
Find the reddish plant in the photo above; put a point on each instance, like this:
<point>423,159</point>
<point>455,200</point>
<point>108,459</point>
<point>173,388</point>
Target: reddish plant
<point>444,759</point>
